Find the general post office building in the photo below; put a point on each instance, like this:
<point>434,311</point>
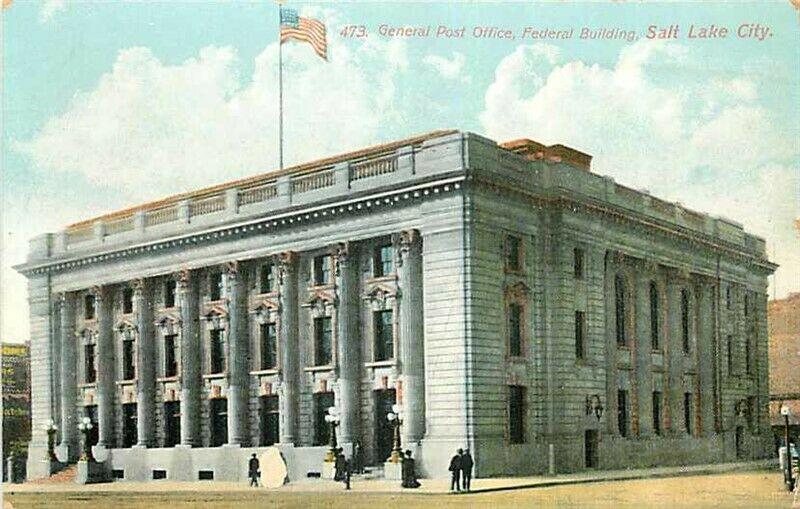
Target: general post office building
<point>507,298</point>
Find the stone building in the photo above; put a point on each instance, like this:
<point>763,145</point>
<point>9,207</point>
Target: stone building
<point>509,299</point>
<point>784,361</point>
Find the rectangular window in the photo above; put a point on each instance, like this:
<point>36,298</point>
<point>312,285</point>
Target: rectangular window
<point>322,401</point>
<point>267,278</point>
<point>89,306</point>
<point>128,356</point>
<point>513,253</point>
<point>384,337</point>
<point>685,321</point>
<point>127,301</point>
<point>215,288</point>
<point>655,324</point>
<point>323,336</point>
<point>578,257</point>
<point>729,341</point>
<point>580,334</point>
<point>383,261</point>
<point>729,297</point>
<point>622,412</point>
<point>515,330</point>
<point>219,421</point>
<point>170,286</point>
<point>687,412</point>
<point>129,425</point>
<point>322,270</point>
<point>748,355</point>
<point>172,423</point>
<point>88,363</point>
<point>269,346</point>
<point>619,307</point>
<point>217,351</point>
<point>516,414</point>
<point>269,420</point>
<point>170,357</point>
<point>657,401</point>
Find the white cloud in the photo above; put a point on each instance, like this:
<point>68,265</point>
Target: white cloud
<point>449,68</point>
<point>709,144</point>
<point>50,8</point>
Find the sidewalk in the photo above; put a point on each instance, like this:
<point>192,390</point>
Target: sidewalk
<point>429,486</point>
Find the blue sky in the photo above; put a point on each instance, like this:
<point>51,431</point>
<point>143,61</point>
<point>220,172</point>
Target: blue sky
<point>108,104</point>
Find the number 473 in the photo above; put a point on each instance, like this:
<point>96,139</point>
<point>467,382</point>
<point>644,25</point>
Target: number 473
<point>354,31</point>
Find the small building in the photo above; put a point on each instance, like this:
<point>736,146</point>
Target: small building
<point>784,361</point>
<point>509,299</point>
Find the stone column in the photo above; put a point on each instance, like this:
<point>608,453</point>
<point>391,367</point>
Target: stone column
<point>145,363</point>
<point>412,339</point>
<point>348,347</point>
<point>69,387</point>
<point>237,345</point>
<point>705,356</point>
<point>191,383</point>
<point>105,367</point>
<point>676,354</point>
<point>612,382</point>
<point>289,349</point>
<point>642,356</point>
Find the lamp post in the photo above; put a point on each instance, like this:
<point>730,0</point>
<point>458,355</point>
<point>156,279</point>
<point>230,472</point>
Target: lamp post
<point>395,417</point>
<point>85,427</point>
<point>51,429</point>
<point>332,418</point>
<point>785,414</point>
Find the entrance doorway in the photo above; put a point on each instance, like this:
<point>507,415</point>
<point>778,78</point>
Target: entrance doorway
<point>219,421</point>
<point>384,399</point>
<point>590,443</point>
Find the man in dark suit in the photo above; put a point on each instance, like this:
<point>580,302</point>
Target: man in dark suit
<point>252,467</point>
<point>455,472</point>
<point>466,469</point>
<point>409,472</point>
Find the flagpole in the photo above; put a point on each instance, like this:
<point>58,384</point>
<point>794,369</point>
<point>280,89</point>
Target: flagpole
<point>280,90</point>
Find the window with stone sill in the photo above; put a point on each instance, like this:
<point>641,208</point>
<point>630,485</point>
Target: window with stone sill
<point>384,335</point>
<point>383,260</point>
<point>687,412</point>
<point>323,341</point>
<point>580,335</point>
<point>216,286</point>
<point>170,286</point>
<point>89,306</point>
<point>515,330</point>
<point>128,358</point>
<point>127,301</point>
<point>322,270</point>
<point>267,279</point>
<point>620,307</point>
<point>658,400</point>
<point>622,413</point>
<point>172,423</point>
<point>216,351</point>
<point>516,414</point>
<point>170,355</point>
<point>655,315</point>
<point>268,346</point>
<point>514,253</point>
<point>89,370</point>
<point>685,316</point>
<point>578,261</point>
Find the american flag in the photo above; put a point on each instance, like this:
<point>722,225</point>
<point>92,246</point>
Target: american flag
<point>307,30</point>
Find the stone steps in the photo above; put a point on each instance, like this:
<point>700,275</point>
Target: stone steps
<point>64,475</point>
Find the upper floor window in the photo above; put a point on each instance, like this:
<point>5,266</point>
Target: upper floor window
<point>513,251</point>
<point>383,261</point>
<point>89,370</point>
<point>267,278</point>
<point>127,301</point>
<point>217,351</point>
<point>322,270</point>
<point>323,341</point>
<point>516,414</point>
<point>128,358</point>
<point>685,320</point>
<point>170,355</point>
<point>729,345</point>
<point>170,286</point>
<point>580,335</point>
<point>655,325</point>
<point>384,337</point>
<point>269,344</point>
<point>89,306</point>
<point>729,297</point>
<point>515,329</point>
<point>578,262</point>
<point>215,286</point>
<point>619,309</point>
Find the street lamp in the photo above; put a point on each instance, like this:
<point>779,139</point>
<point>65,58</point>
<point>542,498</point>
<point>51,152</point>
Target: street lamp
<point>85,427</point>
<point>785,414</point>
<point>332,418</point>
<point>395,418</point>
<point>51,429</point>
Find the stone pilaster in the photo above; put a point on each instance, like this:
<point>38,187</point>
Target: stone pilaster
<point>706,359</point>
<point>191,383</point>
<point>612,374</point>
<point>412,336</point>
<point>237,345</point>
<point>289,349</point>
<point>347,341</point>
<point>674,372</point>
<point>642,356</point>
<point>105,367</point>
<point>145,363</point>
<point>69,388</point>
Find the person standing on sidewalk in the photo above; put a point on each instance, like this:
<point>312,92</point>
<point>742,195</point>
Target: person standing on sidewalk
<point>252,467</point>
<point>455,472</point>
<point>466,470</point>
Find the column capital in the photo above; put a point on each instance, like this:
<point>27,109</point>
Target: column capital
<point>232,268</point>
<point>138,287</point>
<point>182,279</point>
<point>404,242</point>
<point>98,291</point>
<point>342,253</point>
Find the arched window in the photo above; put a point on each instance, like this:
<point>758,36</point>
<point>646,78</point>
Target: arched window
<point>655,333</point>
<point>619,305</point>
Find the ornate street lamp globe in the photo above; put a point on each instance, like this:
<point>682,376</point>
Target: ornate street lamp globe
<point>391,416</point>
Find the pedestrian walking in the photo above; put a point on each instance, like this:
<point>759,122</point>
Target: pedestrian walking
<point>455,472</point>
<point>348,468</point>
<point>358,458</point>
<point>466,470</point>
<point>338,465</point>
<point>253,470</point>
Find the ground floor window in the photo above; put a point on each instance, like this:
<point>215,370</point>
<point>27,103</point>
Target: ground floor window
<point>269,420</point>
<point>516,414</point>
<point>322,401</point>
<point>219,421</point>
<point>622,412</point>
<point>657,400</point>
<point>129,425</point>
<point>687,412</point>
<point>172,423</point>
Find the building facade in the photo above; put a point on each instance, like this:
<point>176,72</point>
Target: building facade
<point>506,297</point>
<point>784,361</point>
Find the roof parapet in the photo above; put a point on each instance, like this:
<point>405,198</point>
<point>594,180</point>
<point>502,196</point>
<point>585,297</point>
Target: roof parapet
<point>558,153</point>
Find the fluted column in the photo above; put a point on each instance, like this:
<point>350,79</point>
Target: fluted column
<point>705,356</point>
<point>69,388</point>
<point>287,263</point>
<point>105,368</point>
<point>237,345</point>
<point>145,363</point>
<point>191,383</point>
<point>412,363</point>
<point>347,341</point>
<point>675,368</point>
<point>644,380</point>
